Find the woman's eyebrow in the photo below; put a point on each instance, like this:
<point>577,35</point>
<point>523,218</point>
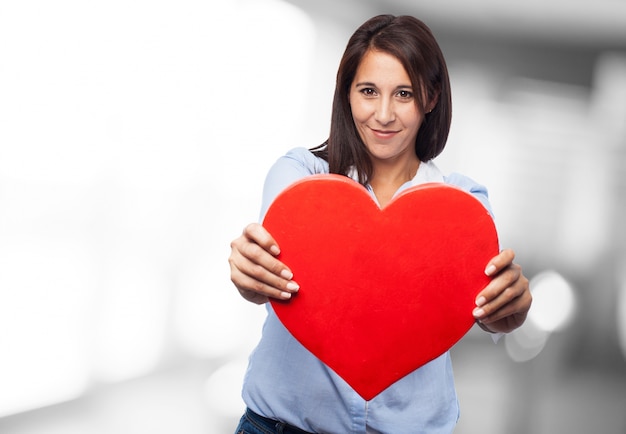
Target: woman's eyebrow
<point>370,84</point>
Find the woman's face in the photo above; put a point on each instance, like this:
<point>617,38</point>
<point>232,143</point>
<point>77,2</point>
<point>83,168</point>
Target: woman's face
<point>383,106</point>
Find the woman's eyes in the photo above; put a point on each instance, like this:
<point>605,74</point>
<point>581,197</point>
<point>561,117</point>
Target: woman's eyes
<point>402,94</point>
<point>368,91</point>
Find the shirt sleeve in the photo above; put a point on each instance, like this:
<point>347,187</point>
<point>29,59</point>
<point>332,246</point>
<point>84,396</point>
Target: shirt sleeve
<point>479,191</point>
<point>293,166</point>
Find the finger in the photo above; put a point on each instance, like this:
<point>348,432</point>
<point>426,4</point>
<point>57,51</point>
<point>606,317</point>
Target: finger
<point>514,312</point>
<point>260,272</point>
<point>499,288</point>
<point>256,277</point>
<point>262,237</point>
<point>507,286</point>
<point>496,313</point>
<point>500,262</point>
<point>259,263</point>
<point>257,291</point>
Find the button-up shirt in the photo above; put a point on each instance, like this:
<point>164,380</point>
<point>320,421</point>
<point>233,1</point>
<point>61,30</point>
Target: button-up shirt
<point>285,382</point>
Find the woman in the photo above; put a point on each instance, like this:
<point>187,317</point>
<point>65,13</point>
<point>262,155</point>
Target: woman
<point>391,116</point>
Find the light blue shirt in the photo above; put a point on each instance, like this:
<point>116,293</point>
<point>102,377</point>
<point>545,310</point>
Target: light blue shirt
<point>285,382</point>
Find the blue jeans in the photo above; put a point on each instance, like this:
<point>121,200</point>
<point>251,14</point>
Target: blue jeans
<point>252,423</point>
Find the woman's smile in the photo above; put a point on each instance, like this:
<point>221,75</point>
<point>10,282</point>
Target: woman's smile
<point>384,134</point>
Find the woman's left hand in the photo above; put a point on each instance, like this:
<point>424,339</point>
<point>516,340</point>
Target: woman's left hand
<point>502,306</point>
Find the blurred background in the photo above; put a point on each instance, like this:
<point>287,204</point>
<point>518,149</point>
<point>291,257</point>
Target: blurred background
<point>134,140</point>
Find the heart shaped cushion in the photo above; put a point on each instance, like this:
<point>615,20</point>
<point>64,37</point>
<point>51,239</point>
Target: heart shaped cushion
<point>382,291</point>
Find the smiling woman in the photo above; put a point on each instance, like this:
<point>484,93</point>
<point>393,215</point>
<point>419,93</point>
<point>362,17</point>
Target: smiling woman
<point>391,116</point>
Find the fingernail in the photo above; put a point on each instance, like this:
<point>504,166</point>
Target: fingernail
<point>274,250</point>
<point>478,312</point>
<point>285,295</point>
<point>490,269</point>
<point>286,274</point>
<point>293,286</point>
<point>480,301</point>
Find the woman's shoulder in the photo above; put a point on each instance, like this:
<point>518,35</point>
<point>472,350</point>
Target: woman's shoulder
<point>304,158</point>
<point>294,165</point>
<point>429,171</point>
<point>464,182</point>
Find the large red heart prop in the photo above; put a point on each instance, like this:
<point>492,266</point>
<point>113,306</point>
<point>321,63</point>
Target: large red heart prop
<point>382,292</point>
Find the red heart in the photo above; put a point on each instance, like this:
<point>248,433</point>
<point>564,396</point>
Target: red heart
<point>382,292</point>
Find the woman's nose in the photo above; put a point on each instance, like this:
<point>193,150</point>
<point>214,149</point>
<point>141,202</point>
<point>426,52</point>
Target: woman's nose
<point>385,113</point>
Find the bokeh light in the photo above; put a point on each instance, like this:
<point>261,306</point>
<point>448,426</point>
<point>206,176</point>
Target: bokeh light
<point>554,303</point>
<point>553,308</point>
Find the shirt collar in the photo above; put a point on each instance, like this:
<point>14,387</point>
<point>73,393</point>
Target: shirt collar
<point>426,172</point>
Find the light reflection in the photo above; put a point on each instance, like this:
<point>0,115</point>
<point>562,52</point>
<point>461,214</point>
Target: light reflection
<point>553,308</point>
<point>554,303</point>
<point>621,310</point>
<point>223,390</point>
<point>526,343</point>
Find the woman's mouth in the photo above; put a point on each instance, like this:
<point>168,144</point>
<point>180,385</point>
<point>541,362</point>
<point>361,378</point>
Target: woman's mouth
<point>384,134</point>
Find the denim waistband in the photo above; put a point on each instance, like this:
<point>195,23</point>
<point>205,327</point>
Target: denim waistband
<point>272,425</point>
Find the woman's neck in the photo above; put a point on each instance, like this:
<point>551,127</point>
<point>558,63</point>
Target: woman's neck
<point>386,179</point>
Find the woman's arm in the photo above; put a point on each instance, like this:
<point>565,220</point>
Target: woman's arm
<point>254,268</point>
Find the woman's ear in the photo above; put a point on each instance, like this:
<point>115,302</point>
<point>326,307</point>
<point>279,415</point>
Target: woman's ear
<point>433,102</point>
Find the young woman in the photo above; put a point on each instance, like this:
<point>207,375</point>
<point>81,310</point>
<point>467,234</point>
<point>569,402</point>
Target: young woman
<point>391,116</point>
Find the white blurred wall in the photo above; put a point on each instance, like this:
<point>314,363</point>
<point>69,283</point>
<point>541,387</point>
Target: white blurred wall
<point>134,138</point>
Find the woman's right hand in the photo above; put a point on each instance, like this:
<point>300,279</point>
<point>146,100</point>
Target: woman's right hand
<point>254,268</point>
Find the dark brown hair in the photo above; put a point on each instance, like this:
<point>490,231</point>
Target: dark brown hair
<point>413,44</point>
